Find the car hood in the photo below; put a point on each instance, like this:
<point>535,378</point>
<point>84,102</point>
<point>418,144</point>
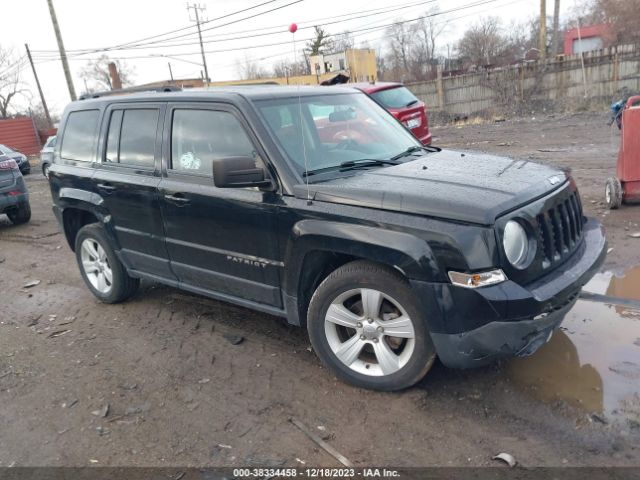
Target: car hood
<point>454,185</point>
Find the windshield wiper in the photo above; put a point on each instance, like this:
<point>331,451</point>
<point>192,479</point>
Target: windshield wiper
<point>352,165</point>
<point>412,102</point>
<point>366,162</point>
<point>413,149</point>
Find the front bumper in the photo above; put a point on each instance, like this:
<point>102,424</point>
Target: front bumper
<point>472,327</point>
<point>25,166</point>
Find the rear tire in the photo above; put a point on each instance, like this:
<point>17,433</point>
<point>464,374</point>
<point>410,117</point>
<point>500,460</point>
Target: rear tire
<point>21,214</point>
<point>613,193</point>
<point>101,270</point>
<point>45,169</point>
<point>368,328</point>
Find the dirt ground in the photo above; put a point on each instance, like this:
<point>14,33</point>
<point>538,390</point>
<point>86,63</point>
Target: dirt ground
<point>156,382</point>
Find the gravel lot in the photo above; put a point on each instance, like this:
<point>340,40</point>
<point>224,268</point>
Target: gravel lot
<point>156,382</point>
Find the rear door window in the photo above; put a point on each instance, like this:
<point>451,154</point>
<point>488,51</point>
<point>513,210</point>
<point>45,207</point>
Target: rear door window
<point>80,136</point>
<point>131,139</point>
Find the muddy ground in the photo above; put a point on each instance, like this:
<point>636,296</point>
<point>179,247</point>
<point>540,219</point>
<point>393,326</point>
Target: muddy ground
<point>156,382</point>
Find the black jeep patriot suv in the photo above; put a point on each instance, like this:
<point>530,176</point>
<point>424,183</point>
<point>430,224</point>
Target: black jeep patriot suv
<point>318,206</point>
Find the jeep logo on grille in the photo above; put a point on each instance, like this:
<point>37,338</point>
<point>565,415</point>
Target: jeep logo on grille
<point>554,180</point>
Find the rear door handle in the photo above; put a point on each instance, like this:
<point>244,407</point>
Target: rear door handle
<point>177,198</point>
<point>106,187</point>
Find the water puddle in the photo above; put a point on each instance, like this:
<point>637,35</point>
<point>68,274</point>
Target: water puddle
<point>593,360</point>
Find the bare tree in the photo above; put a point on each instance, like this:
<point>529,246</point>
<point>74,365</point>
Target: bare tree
<point>248,69</point>
<point>623,16</point>
<point>287,68</point>
<point>482,42</point>
<point>96,73</point>
<point>36,112</point>
<point>10,85</point>
<point>343,41</point>
<point>587,12</point>
<point>425,33</point>
<point>519,39</point>
<point>401,44</point>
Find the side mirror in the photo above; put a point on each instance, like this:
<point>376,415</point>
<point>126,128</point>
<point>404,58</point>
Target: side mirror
<point>238,172</point>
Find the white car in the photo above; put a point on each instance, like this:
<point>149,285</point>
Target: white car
<point>46,155</point>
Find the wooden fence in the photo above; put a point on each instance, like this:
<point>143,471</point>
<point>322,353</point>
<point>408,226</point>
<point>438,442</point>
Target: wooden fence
<point>563,82</point>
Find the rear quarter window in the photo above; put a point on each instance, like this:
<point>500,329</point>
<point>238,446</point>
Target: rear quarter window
<point>80,136</point>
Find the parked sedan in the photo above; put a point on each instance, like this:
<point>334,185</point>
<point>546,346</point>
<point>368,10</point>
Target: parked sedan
<point>20,158</point>
<point>14,197</point>
<point>402,104</point>
<point>46,155</point>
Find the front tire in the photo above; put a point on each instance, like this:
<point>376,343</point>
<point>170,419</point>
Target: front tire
<point>21,214</point>
<point>613,193</point>
<point>367,327</point>
<point>101,270</point>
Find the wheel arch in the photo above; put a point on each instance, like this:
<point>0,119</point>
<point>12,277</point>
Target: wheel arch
<point>76,208</point>
<point>73,219</point>
<point>316,248</point>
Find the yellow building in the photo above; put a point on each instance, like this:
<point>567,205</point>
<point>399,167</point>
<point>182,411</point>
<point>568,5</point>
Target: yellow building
<point>356,63</point>
<point>359,64</point>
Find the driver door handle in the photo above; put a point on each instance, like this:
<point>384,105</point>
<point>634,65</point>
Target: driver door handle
<point>177,198</point>
<point>107,187</point>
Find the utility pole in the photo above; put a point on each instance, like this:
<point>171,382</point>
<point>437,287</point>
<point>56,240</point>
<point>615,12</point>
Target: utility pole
<point>556,27</point>
<point>542,41</point>
<point>197,8</point>
<point>116,83</point>
<point>44,103</point>
<point>170,71</point>
<point>63,53</point>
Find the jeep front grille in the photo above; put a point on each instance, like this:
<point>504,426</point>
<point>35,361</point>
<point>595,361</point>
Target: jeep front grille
<point>560,230</point>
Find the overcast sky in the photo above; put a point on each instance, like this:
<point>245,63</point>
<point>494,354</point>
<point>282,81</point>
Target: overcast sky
<point>88,24</point>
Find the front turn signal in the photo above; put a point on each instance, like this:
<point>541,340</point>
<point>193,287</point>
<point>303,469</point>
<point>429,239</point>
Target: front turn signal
<point>476,280</point>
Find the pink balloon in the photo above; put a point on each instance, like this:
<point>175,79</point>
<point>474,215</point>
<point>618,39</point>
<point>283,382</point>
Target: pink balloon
<point>293,28</point>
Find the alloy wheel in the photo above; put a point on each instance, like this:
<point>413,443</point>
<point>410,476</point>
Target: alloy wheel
<point>369,332</point>
<point>96,265</point>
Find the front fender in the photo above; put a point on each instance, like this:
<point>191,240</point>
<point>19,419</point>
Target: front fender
<point>408,253</point>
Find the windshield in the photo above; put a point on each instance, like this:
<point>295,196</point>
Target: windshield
<point>336,129</point>
<point>398,97</point>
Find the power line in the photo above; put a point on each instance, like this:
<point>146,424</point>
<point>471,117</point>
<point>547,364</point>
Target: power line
<point>95,50</point>
<point>356,31</point>
<point>358,15</point>
<point>443,12</point>
<point>149,44</point>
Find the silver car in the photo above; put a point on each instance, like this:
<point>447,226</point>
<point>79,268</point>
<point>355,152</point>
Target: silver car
<point>46,155</point>
<point>20,158</point>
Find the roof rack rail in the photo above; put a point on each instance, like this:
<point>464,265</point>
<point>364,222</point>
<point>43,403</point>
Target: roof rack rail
<point>121,91</point>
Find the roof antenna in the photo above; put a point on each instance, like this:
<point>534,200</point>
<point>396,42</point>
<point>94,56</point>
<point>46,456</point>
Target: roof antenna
<point>293,28</point>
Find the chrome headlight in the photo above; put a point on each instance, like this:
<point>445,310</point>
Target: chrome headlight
<point>516,244</point>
